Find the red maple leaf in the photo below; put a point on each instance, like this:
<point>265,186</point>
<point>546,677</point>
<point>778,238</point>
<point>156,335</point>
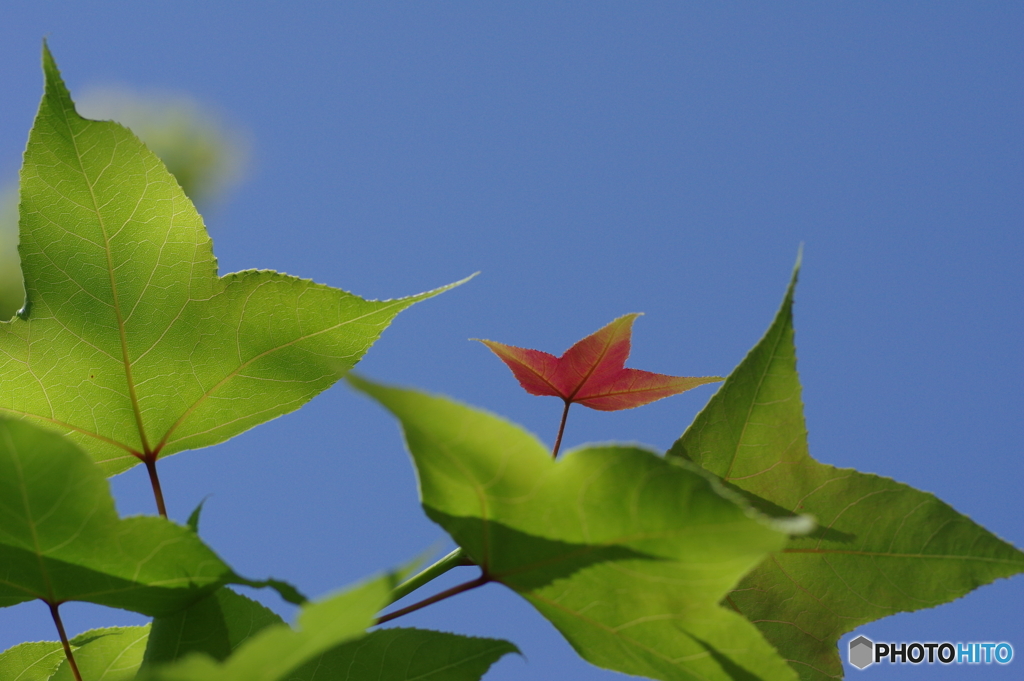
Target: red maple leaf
<point>592,372</point>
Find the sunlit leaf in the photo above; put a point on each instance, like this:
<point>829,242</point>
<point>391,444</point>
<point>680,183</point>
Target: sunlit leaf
<point>626,553</point>
<point>111,654</point>
<point>592,371</point>
<point>882,547</point>
<point>34,661</point>
<point>130,343</point>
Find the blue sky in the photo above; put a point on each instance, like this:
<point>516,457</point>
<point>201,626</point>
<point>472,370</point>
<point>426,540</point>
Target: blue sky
<point>595,159</point>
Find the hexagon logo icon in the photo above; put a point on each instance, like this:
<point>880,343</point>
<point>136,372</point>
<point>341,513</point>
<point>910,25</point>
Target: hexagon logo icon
<point>861,652</point>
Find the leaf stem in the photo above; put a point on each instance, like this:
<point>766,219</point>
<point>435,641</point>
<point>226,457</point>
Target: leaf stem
<point>452,560</point>
<point>447,593</point>
<point>154,480</point>
<point>561,429</point>
<point>64,641</point>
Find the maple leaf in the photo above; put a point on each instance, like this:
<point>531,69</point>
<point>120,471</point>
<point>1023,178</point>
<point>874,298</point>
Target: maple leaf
<point>628,554</point>
<point>592,372</point>
<point>881,547</point>
<point>129,342</point>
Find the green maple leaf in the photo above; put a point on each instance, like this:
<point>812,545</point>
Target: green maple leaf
<point>626,553</point>
<point>109,654</point>
<point>882,547</point>
<point>130,344</point>
<point>32,661</point>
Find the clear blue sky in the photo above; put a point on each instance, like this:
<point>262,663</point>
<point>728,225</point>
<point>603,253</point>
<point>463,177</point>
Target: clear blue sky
<point>594,159</point>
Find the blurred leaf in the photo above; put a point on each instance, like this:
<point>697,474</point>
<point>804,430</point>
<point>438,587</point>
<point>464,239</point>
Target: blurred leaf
<point>407,655</point>
<point>61,539</point>
<point>204,155</point>
<point>883,547</point>
<point>35,661</point>
<point>12,291</point>
<point>330,643</point>
<point>277,650</point>
<point>111,654</point>
<point>215,625</point>
<point>627,554</point>
<point>130,343</point>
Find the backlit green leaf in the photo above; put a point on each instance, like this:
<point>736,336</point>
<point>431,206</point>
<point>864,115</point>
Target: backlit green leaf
<point>111,654</point>
<point>61,539</point>
<point>626,553</point>
<point>35,661</point>
<point>130,343</point>
<point>882,548</point>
